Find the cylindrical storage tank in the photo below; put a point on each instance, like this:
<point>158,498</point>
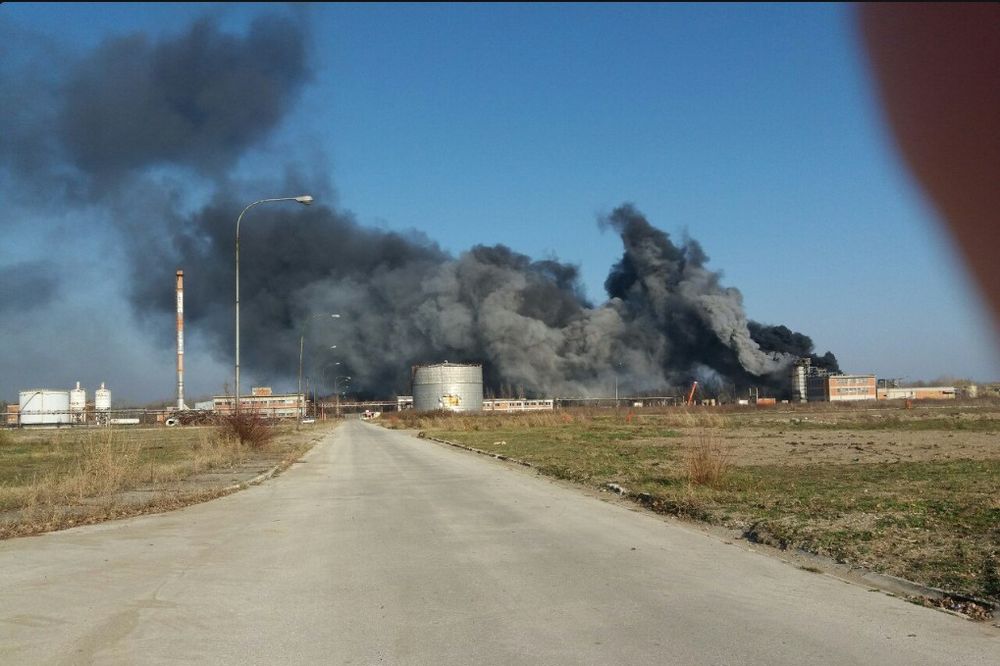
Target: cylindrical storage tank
<point>78,403</point>
<point>102,399</point>
<point>44,407</point>
<point>456,387</point>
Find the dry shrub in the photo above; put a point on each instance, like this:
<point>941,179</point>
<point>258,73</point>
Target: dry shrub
<point>248,428</point>
<point>708,462</point>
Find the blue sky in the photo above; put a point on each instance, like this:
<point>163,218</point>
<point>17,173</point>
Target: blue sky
<point>754,129</point>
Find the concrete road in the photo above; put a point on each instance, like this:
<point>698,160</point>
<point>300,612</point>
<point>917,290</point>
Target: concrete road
<point>384,549</point>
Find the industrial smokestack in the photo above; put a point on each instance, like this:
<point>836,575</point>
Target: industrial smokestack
<point>180,340</point>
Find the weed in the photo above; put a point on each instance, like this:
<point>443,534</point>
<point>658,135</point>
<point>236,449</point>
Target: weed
<point>990,577</point>
<point>707,464</point>
<point>249,428</point>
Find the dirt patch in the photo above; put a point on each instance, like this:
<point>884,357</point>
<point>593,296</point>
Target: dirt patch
<point>749,446</point>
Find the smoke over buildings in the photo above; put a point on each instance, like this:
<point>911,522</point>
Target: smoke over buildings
<point>142,120</point>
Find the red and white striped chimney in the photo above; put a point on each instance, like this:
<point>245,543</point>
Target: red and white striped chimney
<point>180,340</point>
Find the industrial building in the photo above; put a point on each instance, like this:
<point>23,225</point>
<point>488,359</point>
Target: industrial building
<point>515,405</point>
<point>264,402</point>
<point>917,393</point>
<point>811,384</point>
<point>455,387</point>
<point>838,388</point>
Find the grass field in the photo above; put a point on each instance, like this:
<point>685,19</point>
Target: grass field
<point>53,478</point>
<point>910,492</point>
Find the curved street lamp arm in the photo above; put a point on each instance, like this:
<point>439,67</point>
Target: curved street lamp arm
<point>302,199</point>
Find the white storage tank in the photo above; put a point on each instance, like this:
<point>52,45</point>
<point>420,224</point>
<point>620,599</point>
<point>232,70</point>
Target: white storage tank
<point>44,407</point>
<point>455,387</point>
<point>78,404</point>
<point>102,399</point>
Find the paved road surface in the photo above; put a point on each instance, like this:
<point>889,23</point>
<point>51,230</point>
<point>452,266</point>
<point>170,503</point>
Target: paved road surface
<point>384,549</point>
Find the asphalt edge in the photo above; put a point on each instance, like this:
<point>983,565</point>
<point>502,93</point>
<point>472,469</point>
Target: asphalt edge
<point>264,476</point>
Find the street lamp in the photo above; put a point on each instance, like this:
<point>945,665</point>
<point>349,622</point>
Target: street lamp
<point>304,199</point>
<point>618,365</point>
<point>337,391</point>
<point>302,339</point>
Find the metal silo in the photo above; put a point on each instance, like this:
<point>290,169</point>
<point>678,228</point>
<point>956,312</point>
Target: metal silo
<point>456,387</point>
<point>102,405</point>
<point>78,404</point>
<point>102,399</point>
<point>43,407</point>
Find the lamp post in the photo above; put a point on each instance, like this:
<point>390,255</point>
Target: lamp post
<point>337,391</point>
<point>618,365</point>
<point>304,199</point>
<point>302,339</point>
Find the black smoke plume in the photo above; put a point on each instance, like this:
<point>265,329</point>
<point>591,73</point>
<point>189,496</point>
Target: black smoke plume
<point>403,300</point>
<point>782,339</point>
<point>134,107</point>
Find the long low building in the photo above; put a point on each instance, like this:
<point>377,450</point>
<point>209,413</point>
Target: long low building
<point>262,401</point>
<point>918,393</point>
<point>515,405</point>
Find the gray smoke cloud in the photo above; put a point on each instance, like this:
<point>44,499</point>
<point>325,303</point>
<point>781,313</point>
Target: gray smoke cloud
<point>135,106</point>
<point>27,285</point>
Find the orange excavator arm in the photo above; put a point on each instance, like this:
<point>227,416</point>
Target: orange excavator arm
<point>690,398</point>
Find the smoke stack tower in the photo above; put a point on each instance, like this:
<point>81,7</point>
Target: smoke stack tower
<point>180,340</point>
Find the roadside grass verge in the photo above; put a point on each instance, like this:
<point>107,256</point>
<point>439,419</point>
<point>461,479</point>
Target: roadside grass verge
<point>55,478</point>
<point>958,423</point>
<point>934,521</point>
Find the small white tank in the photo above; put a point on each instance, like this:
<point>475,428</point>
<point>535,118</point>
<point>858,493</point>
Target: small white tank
<point>78,404</point>
<point>102,399</point>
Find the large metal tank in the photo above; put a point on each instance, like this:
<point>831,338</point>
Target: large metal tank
<point>78,404</point>
<point>456,387</point>
<point>44,407</point>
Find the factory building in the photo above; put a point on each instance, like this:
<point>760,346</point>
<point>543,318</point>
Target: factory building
<point>917,393</point>
<point>265,402</point>
<point>812,384</point>
<point>839,388</point>
<point>455,387</point>
<point>514,405</point>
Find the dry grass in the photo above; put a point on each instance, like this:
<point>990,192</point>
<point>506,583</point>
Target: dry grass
<point>50,479</point>
<point>707,463</point>
<point>109,461</point>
